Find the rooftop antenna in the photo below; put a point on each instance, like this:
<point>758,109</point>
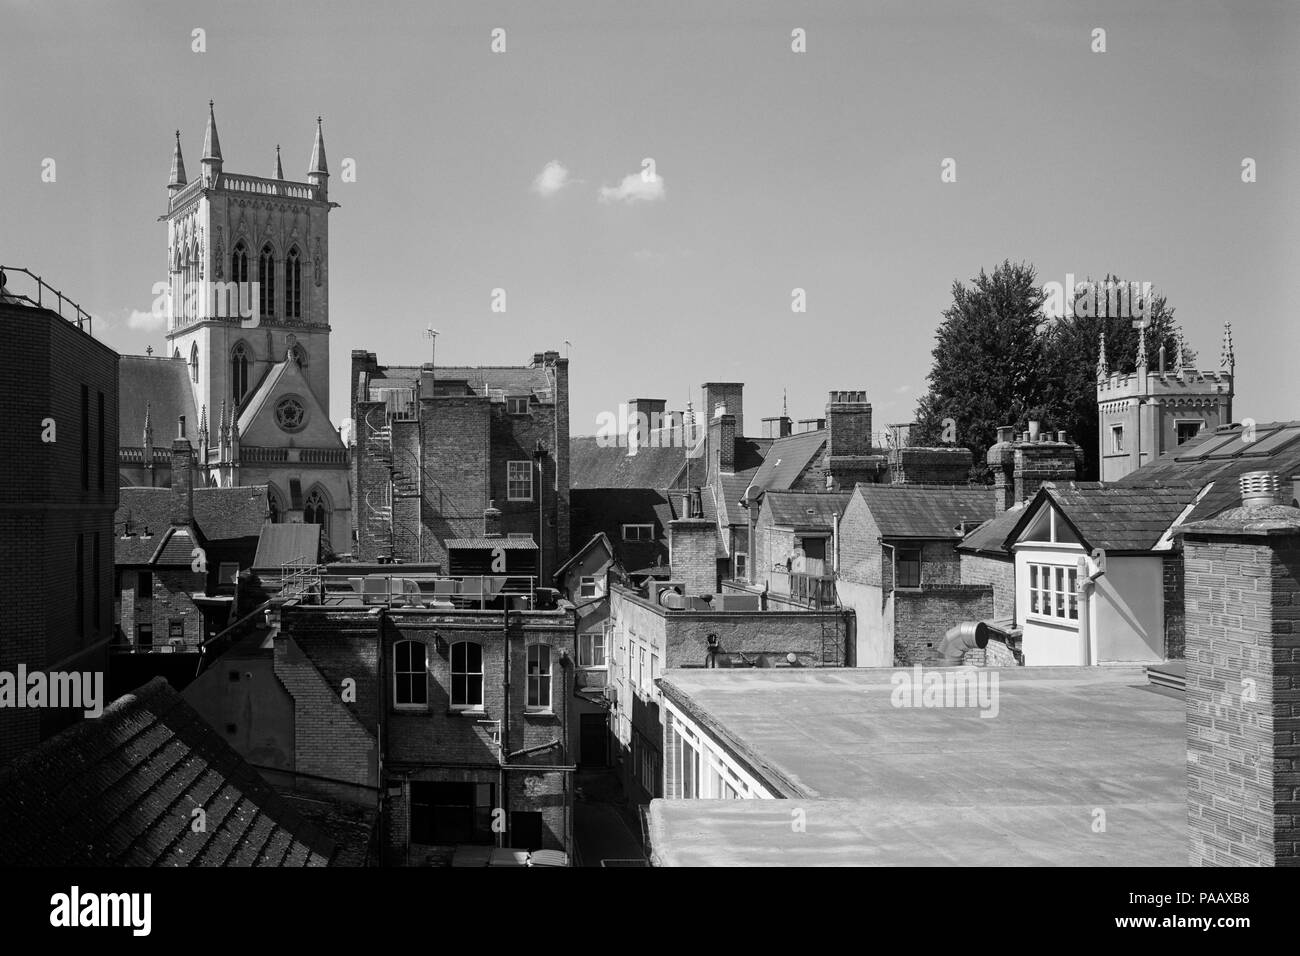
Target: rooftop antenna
<point>432,335</point>
<point>567,346</point>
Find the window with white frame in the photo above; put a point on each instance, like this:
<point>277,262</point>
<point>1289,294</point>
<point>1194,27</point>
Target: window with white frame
<point>1117,438</point>
<point>642,678</point>
<point>410,683</point>
<point>1053,591</point>
<point>519,480</point>
<point>517,405</point>
<point>742,566</point>
<point>591,650</point>
<point>638,532</point>
<point>539,677</point>
<point>587,586</point>
<point>466,676</point>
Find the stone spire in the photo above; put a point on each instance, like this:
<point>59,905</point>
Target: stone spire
<point>148,445</point>
<point>317,172</point>
<point>223,436</point>
<point>1178,353</point>
<point>211,148</point>
<point>1227,359</point>
<point>1142,347</point>
<point>279,170</point>
<point>1103,369</point>
<point>177,178</point>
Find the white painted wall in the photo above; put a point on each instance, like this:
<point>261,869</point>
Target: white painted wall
<point>872,646</point>
<point>1128,612</point>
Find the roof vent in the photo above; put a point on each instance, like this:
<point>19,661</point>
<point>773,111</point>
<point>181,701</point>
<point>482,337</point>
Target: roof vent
<point>1259,489</point>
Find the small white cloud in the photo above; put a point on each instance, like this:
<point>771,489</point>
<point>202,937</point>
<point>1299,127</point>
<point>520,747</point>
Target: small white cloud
<point>145,321</point>
<point>635,187</point>
<point>902,389</point>
<point>553,177</point>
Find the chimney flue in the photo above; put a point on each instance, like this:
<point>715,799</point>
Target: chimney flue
<point>1259,489</point>
<point>180,427</point>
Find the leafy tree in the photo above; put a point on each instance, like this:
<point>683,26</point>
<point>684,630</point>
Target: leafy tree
<point>988,361</point>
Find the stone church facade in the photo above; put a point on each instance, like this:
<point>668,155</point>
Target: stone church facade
<point>246,363</point>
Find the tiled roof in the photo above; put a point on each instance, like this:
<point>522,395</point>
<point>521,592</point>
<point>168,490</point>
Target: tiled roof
<point>176,547</point>
<point>806,509</point>
<point>599,539</point>
<point>787,458</point>
<point>593,466</point>
<point>220,514</point>
<point>120,790</point>
<point>1115,518</point>
<point>991,536</point>
<point>917,511</point>
<point>1221,456</point>
<point>163,384</point>
<point>281,544</point>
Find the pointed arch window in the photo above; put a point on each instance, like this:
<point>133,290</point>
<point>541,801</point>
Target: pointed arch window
<point>317,512</point>
<point>194,362</point>
<point>239,275</point>
<point>239,364</point>
<point>293,285</point>
<point>266,278</point>
<point>276,505</point>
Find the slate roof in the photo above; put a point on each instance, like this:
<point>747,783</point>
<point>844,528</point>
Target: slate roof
<point>991,536</point>
<point>163,384</point>
<point>120,790</point>
<point>806,509</point>
<point>281,544</point>
<point>599,538</point>
<point>1221,456</point>
<point>1115,518</point>
<point>220,514</point>
<point>787,458</point>
<point>594,466</point>
<point>920,511</point>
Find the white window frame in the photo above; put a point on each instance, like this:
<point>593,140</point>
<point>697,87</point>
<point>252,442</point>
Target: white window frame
<point>649,532</point>
<point>399,673</point>
<point>742,566</point>
<point>538,678</point>
<point>467,674</point>
<point>1053,592</point>
<point>512,479</point>
<point>587,586</point>
<point>587,645</point>
<point>513,407</point>
<point>1117,439</point>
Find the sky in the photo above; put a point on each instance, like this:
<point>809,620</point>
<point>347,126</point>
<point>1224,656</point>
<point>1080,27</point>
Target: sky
<point>774,170</point>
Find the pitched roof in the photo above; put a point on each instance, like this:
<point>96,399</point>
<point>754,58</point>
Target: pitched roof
<point>991,536</point>
<point>921,511</point>
<point>598,539</point>
<point>806,509</point>
<point>120,790</point>
<point>220,514</point>
<point>164,385</point>
<point>787,458</point>
<point>1221,456</point>
<point>1114,518</point>
<point>592,465</point>
<point>281,544</point>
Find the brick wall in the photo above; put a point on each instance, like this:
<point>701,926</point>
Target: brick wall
<point>921,618</point>
<point>693,553</point>
<point>457,478</point>
<point>1175,613</point>
<point>860,551</point>
<point>936,466</point>
<point>1001,575</point>
<point>1243,667</point>
<point>722,444</point>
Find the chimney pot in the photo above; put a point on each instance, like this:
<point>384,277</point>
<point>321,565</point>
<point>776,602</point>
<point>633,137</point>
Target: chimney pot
<point>1259,489</point>
<point>180,427</point>
<point>1006,433</point>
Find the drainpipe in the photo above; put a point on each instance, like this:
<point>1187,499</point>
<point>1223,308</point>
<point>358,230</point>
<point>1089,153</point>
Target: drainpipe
<point>505,723</point>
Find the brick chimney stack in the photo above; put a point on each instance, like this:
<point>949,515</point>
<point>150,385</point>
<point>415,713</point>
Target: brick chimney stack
<point>491,521</point>
<point>1021,465</point>
<point>693,555</point>
<point>1242,601</point>
<point>723,430</point>
<point>182,477</point>
<point>849,458</point>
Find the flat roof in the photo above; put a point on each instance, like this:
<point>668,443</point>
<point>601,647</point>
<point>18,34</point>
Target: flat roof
<point>891,785</point>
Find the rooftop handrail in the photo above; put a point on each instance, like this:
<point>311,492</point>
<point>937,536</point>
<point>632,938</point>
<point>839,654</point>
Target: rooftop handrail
<point>82,318</point>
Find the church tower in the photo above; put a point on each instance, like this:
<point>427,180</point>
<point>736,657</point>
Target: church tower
<point>1150,411</point>
<point>248,332</point>
<point>248,265</point>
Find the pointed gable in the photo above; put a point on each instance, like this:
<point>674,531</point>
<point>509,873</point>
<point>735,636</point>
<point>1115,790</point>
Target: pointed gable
<point>258,424</point>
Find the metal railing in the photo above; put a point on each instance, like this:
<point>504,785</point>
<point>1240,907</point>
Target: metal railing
<point>814,590</point>
<point>43,291</point>
<point>412,590</point>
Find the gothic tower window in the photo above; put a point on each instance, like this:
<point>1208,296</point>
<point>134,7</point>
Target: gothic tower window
<point>316,511</point>
<point>239,274</point>
<point>266,276</point>
<point>239,362</point>
<point>277,506</point>
<point>293,285</point>
<point>194,362</point>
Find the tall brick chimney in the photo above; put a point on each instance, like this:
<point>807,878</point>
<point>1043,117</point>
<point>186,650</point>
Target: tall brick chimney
<point>730,394</point>
<point>1242,602</point>
<point>1020,466</point>
<point>644,415</point>
<point>182,477</point>
<point>693,554</point>
<point>723,430</point>
<point>848,457</point>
